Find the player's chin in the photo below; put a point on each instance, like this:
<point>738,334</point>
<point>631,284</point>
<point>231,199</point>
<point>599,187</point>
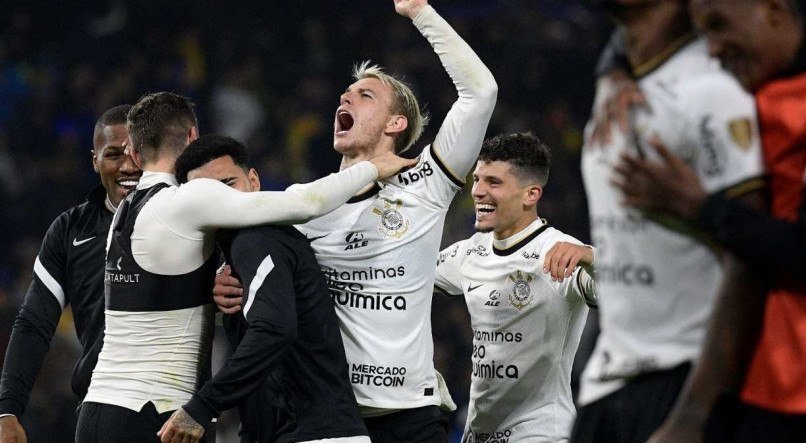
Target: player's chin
<point>483,227</point>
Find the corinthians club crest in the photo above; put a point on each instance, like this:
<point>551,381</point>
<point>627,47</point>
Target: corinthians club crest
<point>521,295</point>
<point>393,222</point>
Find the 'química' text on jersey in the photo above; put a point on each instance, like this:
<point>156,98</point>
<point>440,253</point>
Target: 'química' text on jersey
<point>526,329</point>
<point>653,309</point>
<point>378,251</point>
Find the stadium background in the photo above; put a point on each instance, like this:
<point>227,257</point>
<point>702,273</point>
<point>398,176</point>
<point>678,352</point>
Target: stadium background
<point>270,75</point>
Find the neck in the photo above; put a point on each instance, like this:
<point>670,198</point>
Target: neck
<point>358,155</point>
<point>655,34</point>
<point>162,164</point>
<point>519,226</point>
<point>112,207</point>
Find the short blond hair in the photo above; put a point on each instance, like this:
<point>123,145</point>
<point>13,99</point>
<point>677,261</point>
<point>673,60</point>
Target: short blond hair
<point>405,103</point>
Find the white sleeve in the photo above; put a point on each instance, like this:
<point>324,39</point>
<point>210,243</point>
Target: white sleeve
<point>449,274</point>
<point>581,285</point>
<point>459,139</point>
<point>725,134</point>
<point>209,204</point>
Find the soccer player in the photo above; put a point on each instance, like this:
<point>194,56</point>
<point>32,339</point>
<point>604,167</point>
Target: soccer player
<point>378,250</point>
<point>160,267</point>
<point>657,285</point>
<point>762,43</point>
<point>526,296</point>
<point>68,270</point>
<point>291,342</point>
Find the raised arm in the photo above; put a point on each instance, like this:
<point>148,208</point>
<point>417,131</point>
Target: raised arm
<point>458,141</point>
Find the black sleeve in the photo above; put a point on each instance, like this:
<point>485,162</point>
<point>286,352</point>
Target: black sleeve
<point>757,237</point>
<point>36,322</point>
<point>614,55</point>
<point>266,269</point>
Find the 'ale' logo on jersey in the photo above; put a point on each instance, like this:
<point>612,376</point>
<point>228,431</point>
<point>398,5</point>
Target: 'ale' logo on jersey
<point>521,295</point>
<point>355,240</point>
<point>494,296</point>
<point>393,223</point>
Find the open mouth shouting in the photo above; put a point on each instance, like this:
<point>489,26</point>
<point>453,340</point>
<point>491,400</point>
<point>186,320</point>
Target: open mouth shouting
<point>344,122</point>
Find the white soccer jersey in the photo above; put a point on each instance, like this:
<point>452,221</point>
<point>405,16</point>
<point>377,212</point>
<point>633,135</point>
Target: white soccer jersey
<point>526,329</point>
<point>378,250</point>
<point>378,254</point>
<point>656,285</point>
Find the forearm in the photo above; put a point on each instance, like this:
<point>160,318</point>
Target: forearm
<point>756,237</point>
<point>729,344</point>
<point>227,208</point>
<point>260,351</point>
<point>459,138</point>
<point>30,341</point>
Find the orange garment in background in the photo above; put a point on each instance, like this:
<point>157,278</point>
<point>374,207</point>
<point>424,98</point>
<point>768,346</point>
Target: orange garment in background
<point>776,378</point>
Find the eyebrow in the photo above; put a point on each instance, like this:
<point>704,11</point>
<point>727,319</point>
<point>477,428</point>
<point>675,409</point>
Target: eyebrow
<point>226,179</point>
<point>360,90</point>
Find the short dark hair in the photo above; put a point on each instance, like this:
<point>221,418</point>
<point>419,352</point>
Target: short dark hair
<point>113,116</point>
<point>208,148</point>
<point>160,121</point>
<point>529,158</point>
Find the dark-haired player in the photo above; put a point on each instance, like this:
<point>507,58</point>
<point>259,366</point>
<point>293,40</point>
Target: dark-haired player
<point>68,271</point>
<point>526,297</point>
<point>289,353</point>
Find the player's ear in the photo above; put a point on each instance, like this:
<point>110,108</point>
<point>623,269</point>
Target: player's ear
<point>396,124</point>
<point>254,179</point>
<point>94,161</point>
<point>532,195</point>
<point>193,134</point>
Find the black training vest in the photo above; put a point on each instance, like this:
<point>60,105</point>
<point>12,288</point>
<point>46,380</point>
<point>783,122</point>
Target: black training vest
<point>128,287</point>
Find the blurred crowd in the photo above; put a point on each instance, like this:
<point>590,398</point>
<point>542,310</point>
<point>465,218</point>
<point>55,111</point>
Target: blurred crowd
<point>268,75</point>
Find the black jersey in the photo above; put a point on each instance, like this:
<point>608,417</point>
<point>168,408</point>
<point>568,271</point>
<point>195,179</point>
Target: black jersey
<point>291,346</point>
<point>68,270</point>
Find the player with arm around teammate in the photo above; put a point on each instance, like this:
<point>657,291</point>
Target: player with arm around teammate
<point>378,250</point>
<point>290,352</point>
<point>68,271</point>
<point>528,300</point>
<point>160,266</point>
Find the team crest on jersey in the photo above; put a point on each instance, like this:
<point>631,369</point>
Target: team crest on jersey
<point>393,223</point>
<point>521,295</point>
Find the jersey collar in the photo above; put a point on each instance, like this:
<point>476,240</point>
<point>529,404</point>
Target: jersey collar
<point>369,193</point>
<point>97,196</point>
<point>509,245</point>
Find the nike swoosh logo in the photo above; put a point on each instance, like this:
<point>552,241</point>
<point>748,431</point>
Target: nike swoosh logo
<point>77,242</point>
<point>471,288</point>
<point>312,239</point>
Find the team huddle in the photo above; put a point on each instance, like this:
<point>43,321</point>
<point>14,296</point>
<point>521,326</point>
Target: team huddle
<point>326,287</point>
